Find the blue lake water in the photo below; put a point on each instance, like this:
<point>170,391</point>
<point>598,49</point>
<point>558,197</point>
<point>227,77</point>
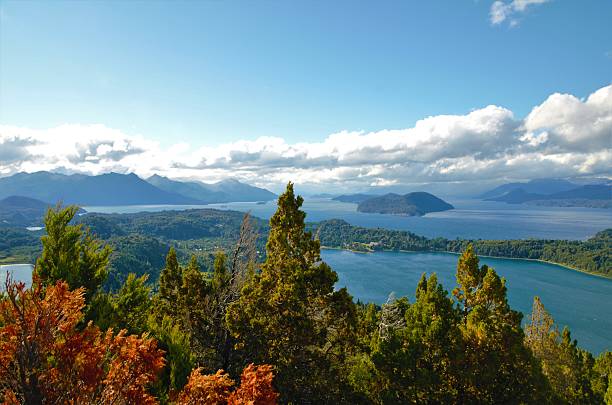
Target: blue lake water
<point>18,272</point>
<point>580,301</point>
<point>471,219</point>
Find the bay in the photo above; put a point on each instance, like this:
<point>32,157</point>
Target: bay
<point>581,301</point>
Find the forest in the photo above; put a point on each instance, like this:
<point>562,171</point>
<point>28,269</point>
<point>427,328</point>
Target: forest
<point>270,329</point>
<point>593,255</point>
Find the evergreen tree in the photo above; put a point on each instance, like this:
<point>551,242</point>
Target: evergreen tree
<point>601,381</point>
<point>71,254</point>
<point>497,366</point>
<point>569,370</point>
<point>432,326</point>
<point>289,314</point>
<point>171,279</point>
<point>416,362</point>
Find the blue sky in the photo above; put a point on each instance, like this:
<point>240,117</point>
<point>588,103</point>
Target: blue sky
<point>208,72</point>
<point>349,94</point>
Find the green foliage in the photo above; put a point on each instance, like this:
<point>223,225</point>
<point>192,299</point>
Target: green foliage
<point>171,280</point>
<point>289,314</point>
<point>500,368</point>
<point>71,254</point>
<point>18,245</point>
<point>179,357</point>
<point>127,309</point>
<point>601,381</point>
<point>570,371</point>
<point>136,254</point>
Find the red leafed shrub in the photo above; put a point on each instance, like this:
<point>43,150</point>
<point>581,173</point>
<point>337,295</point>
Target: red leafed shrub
<point>45,358</point>
<point>255,387</point>
<point>216,389</point>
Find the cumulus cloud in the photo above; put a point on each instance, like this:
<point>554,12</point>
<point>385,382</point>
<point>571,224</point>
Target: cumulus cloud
<point>508,11</point>
<point>568,123</point>
<point>563,136</point>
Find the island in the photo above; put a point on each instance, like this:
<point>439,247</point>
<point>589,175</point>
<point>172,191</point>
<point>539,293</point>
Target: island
<point>411,204</point>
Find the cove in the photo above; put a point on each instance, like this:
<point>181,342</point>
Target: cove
<point>581,301</point>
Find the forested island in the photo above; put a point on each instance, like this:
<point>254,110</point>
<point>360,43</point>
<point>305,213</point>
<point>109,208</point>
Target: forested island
<point>251,331</point>
<point>418,203</point>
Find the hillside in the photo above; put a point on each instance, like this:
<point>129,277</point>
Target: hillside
<point>22,211</point>
<point>418,203</point>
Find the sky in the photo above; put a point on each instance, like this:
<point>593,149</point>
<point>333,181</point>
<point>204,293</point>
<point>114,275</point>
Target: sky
<point>347,94</point>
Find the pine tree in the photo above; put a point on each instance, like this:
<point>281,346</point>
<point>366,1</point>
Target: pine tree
<point>432,325</point>
<point>497,366</point>
<point>569,370</point>
<point>171,279</point>
<point>601,381</point>
<point>289,314</point>
<point>416,359</point>
<point>71,254</point>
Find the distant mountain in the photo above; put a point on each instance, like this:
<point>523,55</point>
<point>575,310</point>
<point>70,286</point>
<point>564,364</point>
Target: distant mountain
<point>230,190</point>
<point>191,189</point>
<point>517,196</point>
<point>537,186</point>
<point>353,198</point>
<point>589,192</point>
<point>419,203</point>
<point>241,192</point>
<point>22,211</point>
<point>595,195</point>
<point>105,189</point>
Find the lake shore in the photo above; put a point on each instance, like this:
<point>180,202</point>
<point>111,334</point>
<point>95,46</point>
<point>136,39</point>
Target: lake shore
<point>568,267</point>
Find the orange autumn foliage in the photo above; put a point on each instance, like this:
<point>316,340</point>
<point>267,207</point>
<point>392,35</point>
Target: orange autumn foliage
<point>45,358</point>
<point>213,389</point>
<point>255,388</point>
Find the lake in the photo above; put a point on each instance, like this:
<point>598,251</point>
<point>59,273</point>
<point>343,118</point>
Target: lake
<point>582,302</point>
<point>472,219</point>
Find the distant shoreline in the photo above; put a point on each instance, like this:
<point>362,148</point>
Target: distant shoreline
<point>479,255</point>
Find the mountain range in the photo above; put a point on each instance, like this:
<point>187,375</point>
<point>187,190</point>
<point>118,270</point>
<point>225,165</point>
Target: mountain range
<point>539,186</point>
<point>125,189</point>
<point>230,190</point>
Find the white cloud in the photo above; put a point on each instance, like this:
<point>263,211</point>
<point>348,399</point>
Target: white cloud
<point>563,136</point>
<point>501,10</point>
<point>571,124</point>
